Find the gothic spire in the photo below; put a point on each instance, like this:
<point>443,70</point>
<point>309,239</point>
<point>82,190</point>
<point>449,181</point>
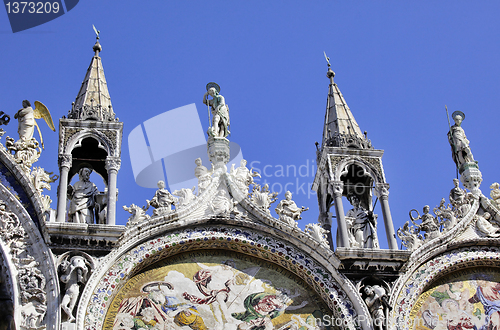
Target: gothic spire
<point>93,101</point>
<point>341,129</point>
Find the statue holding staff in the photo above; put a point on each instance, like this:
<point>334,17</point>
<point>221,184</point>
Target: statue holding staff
<point>219,110</point>
<point>461,152</point>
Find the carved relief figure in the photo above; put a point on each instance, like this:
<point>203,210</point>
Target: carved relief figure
<point>495,194</point>
<point>410,237</point>
<point>362,225</point>
<point>243,177</point>
<point>429,223</point>
<point>446,215</point>
<point>318,233</point>
<point>459,144</point>
<point>220,111</point>
<point>138,214</point>
<point>221,204</point>
<point>459,199</point>
<point>377,301</point>
<point>74,273</point>
<point>262,197</point>
<point>42,179</point>
<point>185,196</point>
<point>162,201</point>
<point>82,196</point>
<point>484,225</point>
<point>288,211</point>
<point>203,174</point>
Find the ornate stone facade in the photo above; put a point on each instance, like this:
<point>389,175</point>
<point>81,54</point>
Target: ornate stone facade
<point>215,258</point>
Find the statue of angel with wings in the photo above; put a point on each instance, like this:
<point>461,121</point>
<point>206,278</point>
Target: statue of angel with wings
<point>26,118</point>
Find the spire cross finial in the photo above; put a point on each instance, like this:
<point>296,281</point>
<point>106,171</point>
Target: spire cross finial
<point>330,74</point>
<point>96,32</point>
<point>97,47</point>
<point>327,60</point>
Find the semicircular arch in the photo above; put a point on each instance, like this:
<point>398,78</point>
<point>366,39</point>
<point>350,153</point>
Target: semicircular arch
<point>404,300</point>
<point>122,265</point>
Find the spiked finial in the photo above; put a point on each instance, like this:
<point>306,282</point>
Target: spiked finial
<point>97,47</point>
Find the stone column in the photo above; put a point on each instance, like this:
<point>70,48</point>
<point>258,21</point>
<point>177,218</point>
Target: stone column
<point>325,220</point>
<point>382,192</point>
<point>112,166</point>
<point>65,162</point>
<point>343,237</point>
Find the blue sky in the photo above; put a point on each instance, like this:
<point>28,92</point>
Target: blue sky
<point>397,63</point>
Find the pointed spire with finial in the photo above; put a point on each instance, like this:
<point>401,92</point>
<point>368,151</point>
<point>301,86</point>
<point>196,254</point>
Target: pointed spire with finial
<point>341,129</point>
<point>93,101</point>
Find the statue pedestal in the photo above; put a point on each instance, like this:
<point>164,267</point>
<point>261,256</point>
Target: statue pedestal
<point>218,152</point>
<point>471,177</point>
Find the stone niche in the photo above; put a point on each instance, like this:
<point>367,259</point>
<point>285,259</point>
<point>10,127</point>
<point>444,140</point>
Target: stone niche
<point>209,289</point>
<point>465,299</point>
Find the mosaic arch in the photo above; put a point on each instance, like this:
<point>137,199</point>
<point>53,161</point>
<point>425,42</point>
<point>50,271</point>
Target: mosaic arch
<point>208,289</point>
<point>457,290</point>
<point>258,266</point>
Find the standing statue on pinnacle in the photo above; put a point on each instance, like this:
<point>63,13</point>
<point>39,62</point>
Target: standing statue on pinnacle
<point>461,152</point>
<point>220,111</point>
<point>26,118</point>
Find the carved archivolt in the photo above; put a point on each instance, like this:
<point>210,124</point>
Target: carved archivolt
<point>108,144</point>
<point>371,165</point>
<point>119,267</point>
<point>30,266</point>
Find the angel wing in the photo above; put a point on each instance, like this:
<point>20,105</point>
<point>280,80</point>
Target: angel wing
<point>41,111</point>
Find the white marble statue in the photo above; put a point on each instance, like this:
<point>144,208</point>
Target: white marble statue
<point>429,225</point>
<point>26,119</point>
<point>459,199</point>
<point>221,204</point>
<point>495,194</point>
<point>185,196</point>
<point>446,215</point>
<point>484,225</point>
<point>42,179</point>
<point>459,144</point>
<point>410,237</point>
<point>162,201</point>
<point>243,177</point>
<point>262,197</point>
<point>82,198</point>
<point>74,272</point>
<point>203,175</point>
<point>361,225</point>
<point>377,301</point>
<point>318,233</point>
<point>288,211</point>
<point>138,214</point>
<point>219,109</point>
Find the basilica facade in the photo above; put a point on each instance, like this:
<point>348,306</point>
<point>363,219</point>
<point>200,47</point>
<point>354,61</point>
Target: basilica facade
<point>214,257</point>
